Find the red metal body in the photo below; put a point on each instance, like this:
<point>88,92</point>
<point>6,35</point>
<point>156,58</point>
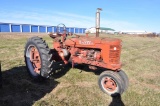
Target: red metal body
<point>102,52</point>
<point>95,51</point>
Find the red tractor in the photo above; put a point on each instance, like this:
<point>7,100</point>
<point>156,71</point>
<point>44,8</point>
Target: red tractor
<point>95,52</point>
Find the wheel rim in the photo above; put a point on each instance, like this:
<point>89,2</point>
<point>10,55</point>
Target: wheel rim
<point>33,60</point>
<point>109,84</point>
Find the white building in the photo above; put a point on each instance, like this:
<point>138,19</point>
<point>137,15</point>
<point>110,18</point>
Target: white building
<point>101,30</point>
<point>90,30</point>
<point>134,32</point>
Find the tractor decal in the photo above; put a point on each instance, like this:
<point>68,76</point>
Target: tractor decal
<point>85,42</point>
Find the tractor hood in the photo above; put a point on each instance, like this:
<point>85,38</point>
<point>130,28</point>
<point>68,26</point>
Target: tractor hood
<point>90,41</point>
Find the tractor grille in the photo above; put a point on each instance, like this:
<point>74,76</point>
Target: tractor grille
<point>114,54</point>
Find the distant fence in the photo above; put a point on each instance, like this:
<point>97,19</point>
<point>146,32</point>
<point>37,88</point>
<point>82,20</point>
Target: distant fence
<point>12,27</point>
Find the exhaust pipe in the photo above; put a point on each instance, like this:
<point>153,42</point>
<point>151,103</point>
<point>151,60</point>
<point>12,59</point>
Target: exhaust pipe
<point>98,21</point>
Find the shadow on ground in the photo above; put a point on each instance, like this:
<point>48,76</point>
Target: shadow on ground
<point>21,90</point>
<point>116,100</point>
<point>86,68</point>
<point>61,72</point>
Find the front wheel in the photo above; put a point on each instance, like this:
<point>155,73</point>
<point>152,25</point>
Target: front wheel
<point>111,83</point>
<point>125,79</point>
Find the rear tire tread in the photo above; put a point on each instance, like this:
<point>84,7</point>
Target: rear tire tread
<point>46,58</point>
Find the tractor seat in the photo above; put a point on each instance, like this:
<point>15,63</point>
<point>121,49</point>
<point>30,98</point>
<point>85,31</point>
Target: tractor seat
<point>54,35</point>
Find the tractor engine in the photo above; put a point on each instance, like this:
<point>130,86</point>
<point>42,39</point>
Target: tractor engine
<point>90,54</point>
<point>95,51</point>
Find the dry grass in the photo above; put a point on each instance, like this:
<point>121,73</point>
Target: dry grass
<point>140,58</point>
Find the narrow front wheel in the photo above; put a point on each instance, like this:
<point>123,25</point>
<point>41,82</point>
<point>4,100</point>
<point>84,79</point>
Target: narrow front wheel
<point>111,83</point>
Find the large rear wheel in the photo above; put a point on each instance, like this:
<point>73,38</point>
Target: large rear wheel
<point>37,58</point>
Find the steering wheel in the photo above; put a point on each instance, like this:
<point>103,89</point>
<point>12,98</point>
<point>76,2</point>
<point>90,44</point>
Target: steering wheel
<point>59,26</point>
<point>63,34</point>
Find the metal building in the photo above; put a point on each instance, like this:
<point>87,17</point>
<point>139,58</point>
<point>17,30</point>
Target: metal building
<point>12,27</point>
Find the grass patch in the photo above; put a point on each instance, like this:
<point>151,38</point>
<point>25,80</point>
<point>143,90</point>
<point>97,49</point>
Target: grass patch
<point>140,58</point>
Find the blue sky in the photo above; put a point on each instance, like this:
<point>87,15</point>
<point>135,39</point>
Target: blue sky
<point>128,15</point>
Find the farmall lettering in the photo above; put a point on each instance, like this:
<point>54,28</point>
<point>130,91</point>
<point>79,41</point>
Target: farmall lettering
<point>85,42</point>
